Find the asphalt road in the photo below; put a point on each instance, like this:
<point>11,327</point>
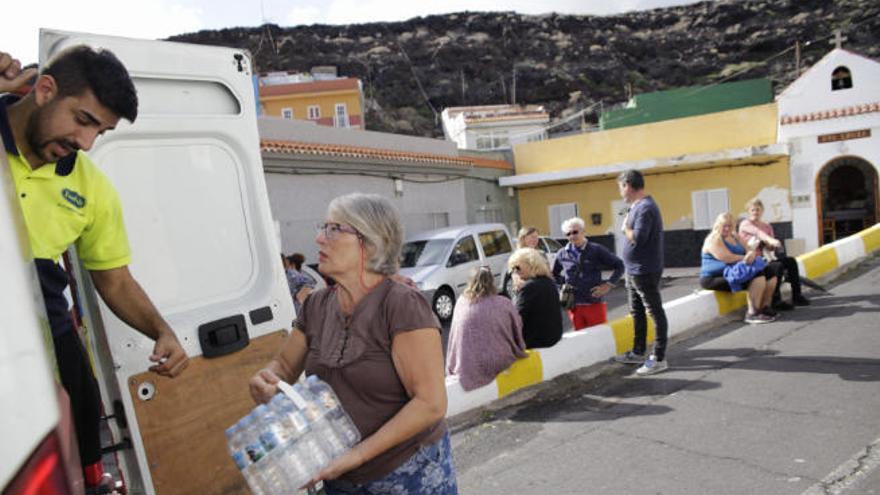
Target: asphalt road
<point>790,407</point>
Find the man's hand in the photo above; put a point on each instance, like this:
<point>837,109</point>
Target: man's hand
<point>11,75</point>
<point>169,355</point>
<point>601,289</point>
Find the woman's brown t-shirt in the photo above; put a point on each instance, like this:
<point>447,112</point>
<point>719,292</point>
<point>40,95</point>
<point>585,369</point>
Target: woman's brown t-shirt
<point>353,355</point>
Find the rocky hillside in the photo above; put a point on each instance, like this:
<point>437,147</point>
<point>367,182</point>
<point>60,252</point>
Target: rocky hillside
<point>412,70</point>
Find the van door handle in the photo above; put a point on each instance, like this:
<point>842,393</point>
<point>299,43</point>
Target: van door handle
<point>223,336</point>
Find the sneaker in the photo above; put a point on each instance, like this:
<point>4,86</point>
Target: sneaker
<point>783,306</point>
<point>630,357</point>
<point>651,366</point>
<point>801,301</point>
<point>769,312</point>
<point>758,318</point>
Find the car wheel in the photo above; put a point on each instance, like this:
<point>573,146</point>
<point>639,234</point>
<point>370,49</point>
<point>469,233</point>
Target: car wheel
<point>508,288</point>
<point>443,304</point>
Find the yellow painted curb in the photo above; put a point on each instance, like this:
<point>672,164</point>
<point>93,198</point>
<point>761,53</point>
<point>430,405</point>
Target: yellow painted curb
<point>624,333</point>
<point>522,373</point>
<point>871,238</point>
<point>820,261</point>
<point>729,301</point>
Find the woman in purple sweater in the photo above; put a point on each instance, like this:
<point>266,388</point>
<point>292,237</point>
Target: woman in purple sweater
<point>486,333</point>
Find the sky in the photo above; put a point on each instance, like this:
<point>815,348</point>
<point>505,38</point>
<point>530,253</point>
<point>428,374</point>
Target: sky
<point>156,19</point>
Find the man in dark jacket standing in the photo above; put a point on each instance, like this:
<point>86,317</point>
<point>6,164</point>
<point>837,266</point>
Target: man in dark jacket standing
<point>643,258</point>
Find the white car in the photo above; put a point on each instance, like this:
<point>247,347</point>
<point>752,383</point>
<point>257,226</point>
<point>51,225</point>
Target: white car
<point>441,261</point>
<point>549,246</point>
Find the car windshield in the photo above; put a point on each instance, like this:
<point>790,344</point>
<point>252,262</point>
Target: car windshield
<point>552,244</point>
<point>424,253</point>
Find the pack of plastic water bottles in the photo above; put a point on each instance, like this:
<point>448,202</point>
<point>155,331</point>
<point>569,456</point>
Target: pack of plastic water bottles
<point>281,445</point>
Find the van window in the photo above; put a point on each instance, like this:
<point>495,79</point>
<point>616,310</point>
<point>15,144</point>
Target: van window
<point>494,243</point>
<point>465,250</point>
<point>423,253</point>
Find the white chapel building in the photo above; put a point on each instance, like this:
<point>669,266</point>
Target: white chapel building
<point>830,118</point>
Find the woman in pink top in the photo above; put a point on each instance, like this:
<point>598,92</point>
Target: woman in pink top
<point>486,333</point>
<point>756,231</point>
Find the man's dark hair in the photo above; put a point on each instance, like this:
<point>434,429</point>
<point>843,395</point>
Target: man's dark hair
<point>632,177</point>
<point>80,68</point>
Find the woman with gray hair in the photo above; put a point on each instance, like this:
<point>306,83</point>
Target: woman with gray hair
<point>485,337</point>
<point>537,299</point>
<point>377,343</point>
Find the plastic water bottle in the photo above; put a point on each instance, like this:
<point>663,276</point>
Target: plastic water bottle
<point>320,422</point>
<point>338,418</point>
<point>298,462</point>
<point>272,479</point>
<point>272,437</point>
<point>310,448</point>
<point>242,461</point>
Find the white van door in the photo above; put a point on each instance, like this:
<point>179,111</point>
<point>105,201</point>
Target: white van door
<point>190,178</point>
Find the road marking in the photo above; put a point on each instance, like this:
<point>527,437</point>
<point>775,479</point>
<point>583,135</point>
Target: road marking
<point>849,473</point>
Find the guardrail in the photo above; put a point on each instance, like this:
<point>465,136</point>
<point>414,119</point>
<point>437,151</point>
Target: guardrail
<point>581,349</point>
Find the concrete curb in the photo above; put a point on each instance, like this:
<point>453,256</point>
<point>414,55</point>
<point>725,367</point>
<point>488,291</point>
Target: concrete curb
<point>602,342</point>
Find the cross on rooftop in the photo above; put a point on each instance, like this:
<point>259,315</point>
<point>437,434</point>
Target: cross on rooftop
<point>839,38</point>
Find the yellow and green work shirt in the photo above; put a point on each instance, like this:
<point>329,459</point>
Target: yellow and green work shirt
<point>68,202</point>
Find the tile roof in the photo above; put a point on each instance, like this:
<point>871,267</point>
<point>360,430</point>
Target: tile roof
<point>347,83</point>
<point>320,149</point>
<point>830,114</point>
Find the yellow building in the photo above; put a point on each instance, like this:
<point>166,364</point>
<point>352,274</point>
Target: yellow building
<point>694,167</point>
<point>333,102</point>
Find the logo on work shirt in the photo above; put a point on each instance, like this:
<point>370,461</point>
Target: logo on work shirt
<point>73,198</point>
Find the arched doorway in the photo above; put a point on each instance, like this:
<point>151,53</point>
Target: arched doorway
<point>847,192</point>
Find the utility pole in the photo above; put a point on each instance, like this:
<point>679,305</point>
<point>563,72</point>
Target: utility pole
<point>797,59</point>
<point>513,88</point>
<point>503,87</point>
<point>463,88</point>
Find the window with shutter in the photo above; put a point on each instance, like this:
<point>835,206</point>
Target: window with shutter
<point>708,204</point>
<point>559,213</point>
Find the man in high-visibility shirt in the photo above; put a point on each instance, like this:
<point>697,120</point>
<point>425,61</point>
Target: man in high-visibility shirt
<point>67,200</point>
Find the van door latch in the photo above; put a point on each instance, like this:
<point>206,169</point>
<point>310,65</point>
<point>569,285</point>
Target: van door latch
<point>224,336</point>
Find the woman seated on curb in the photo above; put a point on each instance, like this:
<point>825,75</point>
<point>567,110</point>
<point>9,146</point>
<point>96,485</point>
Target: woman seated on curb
<point>753,229</point>
<point>722,250</point>
<point>485,336</point>
<point>537,299</point>
<point>579,264</point>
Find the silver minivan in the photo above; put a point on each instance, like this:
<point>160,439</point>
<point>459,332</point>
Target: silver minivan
<point>440,261</point>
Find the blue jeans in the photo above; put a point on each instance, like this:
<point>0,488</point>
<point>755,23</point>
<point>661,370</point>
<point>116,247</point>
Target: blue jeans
<point>428,472</point>
<point>643,292</point>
